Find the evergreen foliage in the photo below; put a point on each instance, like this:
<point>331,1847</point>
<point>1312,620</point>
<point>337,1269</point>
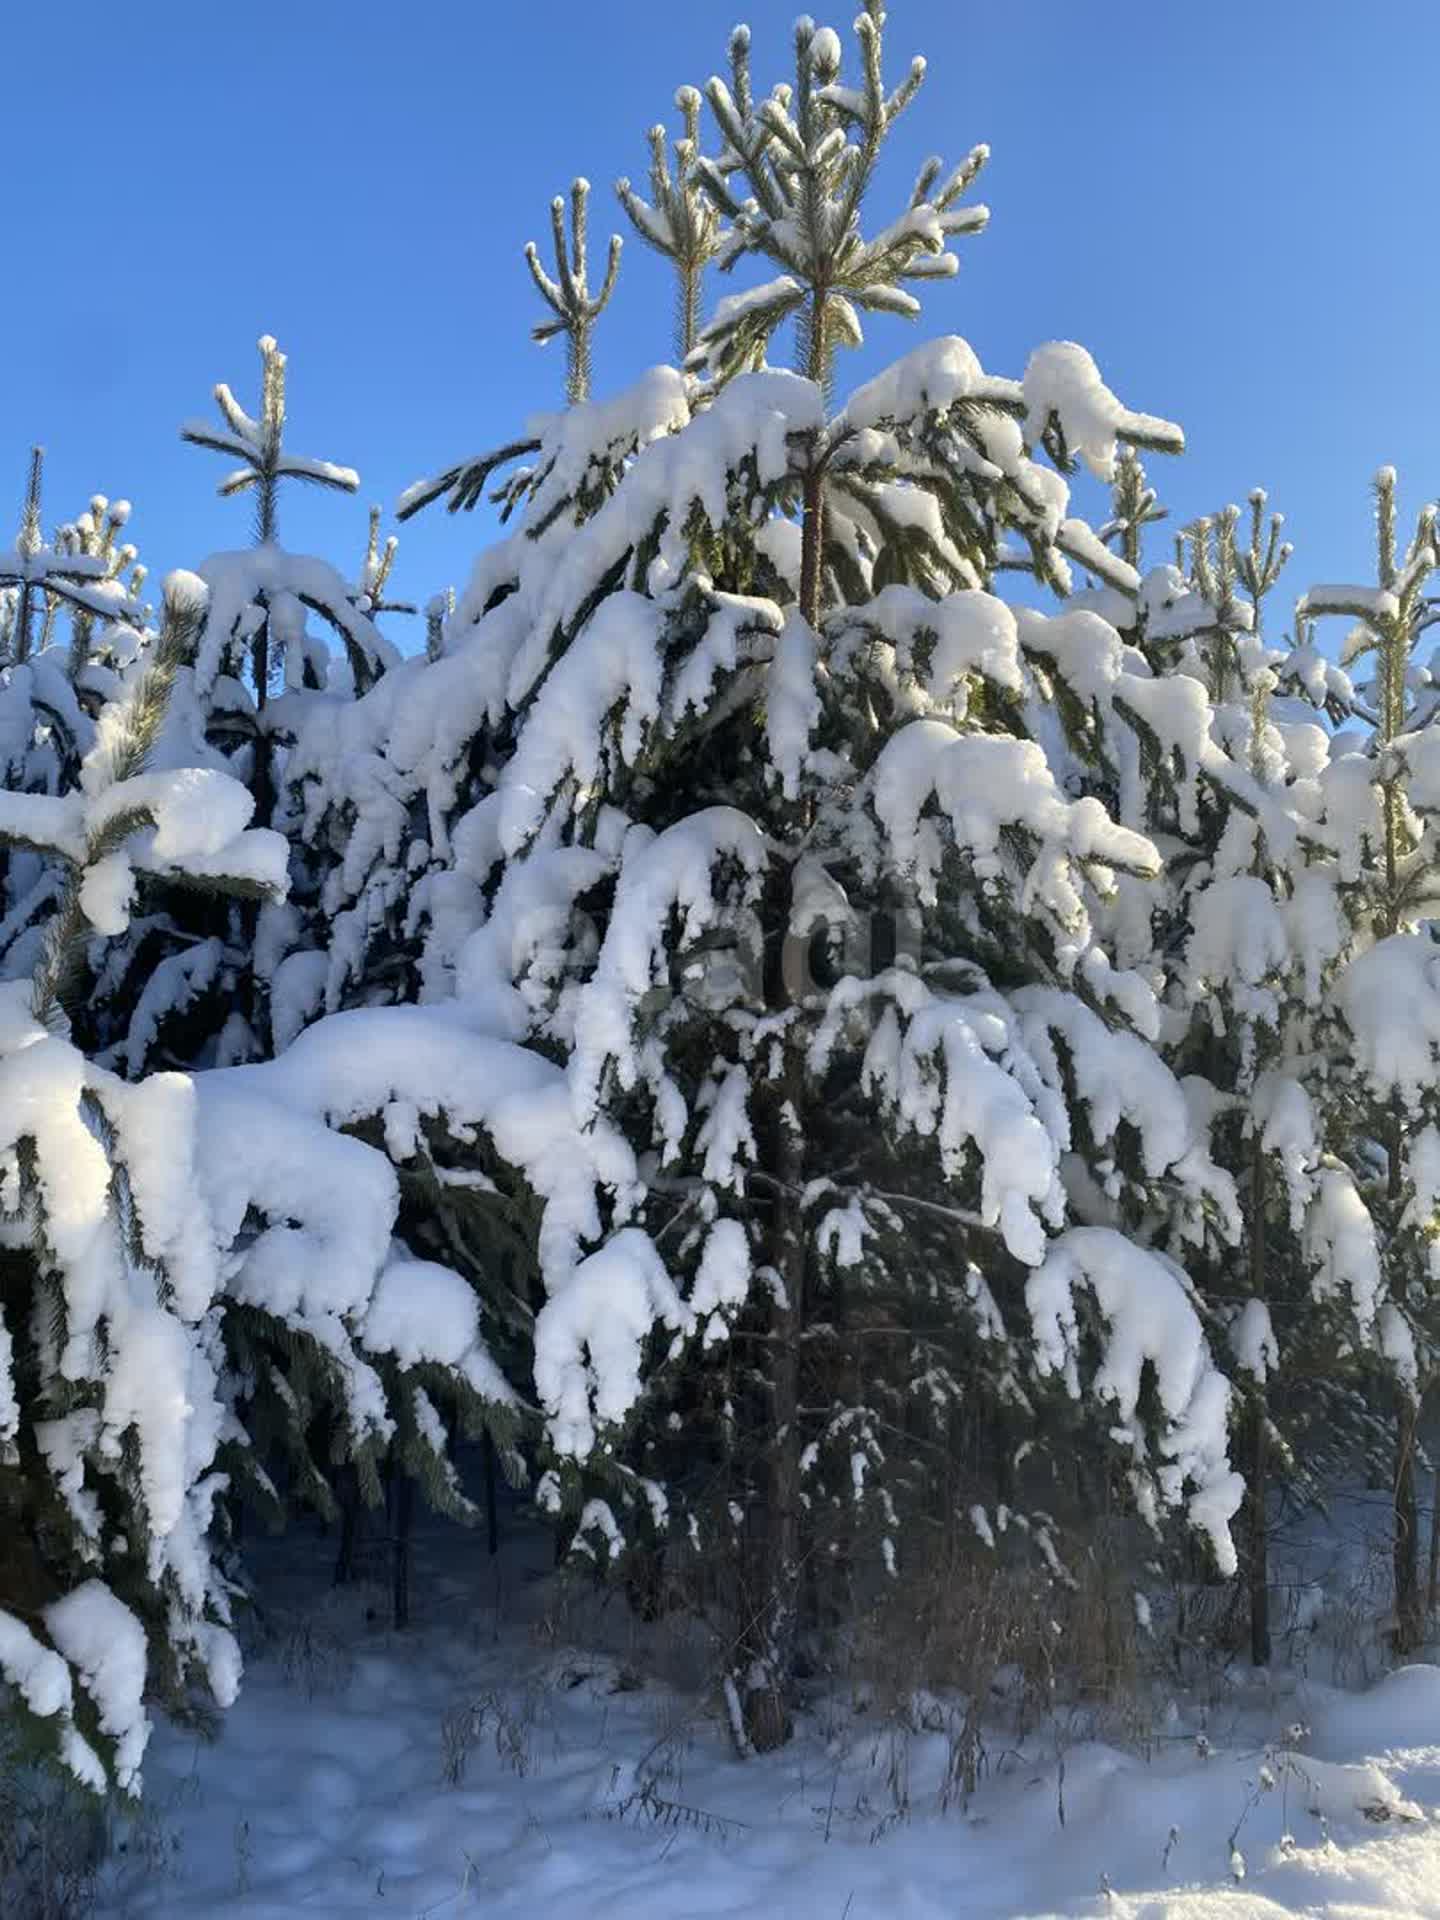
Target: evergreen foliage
<point>568,295</point>
<point>807,1055</point>
<point>772,844</point>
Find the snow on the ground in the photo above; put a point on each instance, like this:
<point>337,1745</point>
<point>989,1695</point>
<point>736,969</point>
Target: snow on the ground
<point>327,1793</point>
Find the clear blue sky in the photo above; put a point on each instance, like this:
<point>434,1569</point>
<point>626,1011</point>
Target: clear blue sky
<point>1233,207</point>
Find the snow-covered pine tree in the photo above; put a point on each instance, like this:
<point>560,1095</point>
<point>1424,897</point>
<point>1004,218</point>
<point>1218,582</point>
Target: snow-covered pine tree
<point>194,980</point>
<point>568,296</point>
<point>388,781</point>
<point>94,646</point>
<point>1241,980</point>
<point>202,1272</point>
<point>1382,798</point>
<point>293,962</point>
<point>382,785</point>
<point>108,1416</point>
<point>806,157</point>
<point>385,781</point>
<point>680,220</point>
<point>1240,937</point>
<point>203,981</point>
<point>51,686</point>
<point>758,701</point>
<point>78,571</point>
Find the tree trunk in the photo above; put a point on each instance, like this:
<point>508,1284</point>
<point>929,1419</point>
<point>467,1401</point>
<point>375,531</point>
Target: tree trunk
<point>812,547</point>
<point>812,517</point>
<point>1257,1555</point>
<point>492,1510</point>
<point>767,1638</point>
<point>1409,1610</point>
<point>20,631</point>
<point>1432,1594</point>
<point>262,784</point>
<point>347,1495</point>
<point>404,1495</point>
<point>770,1589</point>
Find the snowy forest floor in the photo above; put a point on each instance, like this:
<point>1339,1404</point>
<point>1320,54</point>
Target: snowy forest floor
<point>527,1749</point>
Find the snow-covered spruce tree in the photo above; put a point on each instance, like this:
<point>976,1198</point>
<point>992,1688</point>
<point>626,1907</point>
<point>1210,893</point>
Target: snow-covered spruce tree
<point>760,701</point>
<point>1382,798</point>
